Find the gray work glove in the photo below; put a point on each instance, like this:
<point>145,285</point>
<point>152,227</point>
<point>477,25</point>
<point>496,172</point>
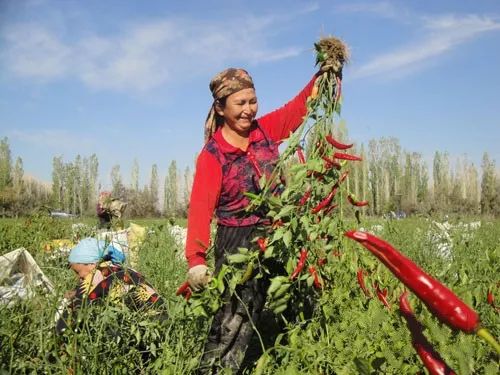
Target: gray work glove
<point>198,277</point>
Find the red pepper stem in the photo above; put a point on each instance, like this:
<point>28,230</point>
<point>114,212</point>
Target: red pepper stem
<point>486,335</point>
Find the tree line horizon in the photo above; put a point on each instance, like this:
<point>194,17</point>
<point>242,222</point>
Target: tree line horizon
<point>389,177</point>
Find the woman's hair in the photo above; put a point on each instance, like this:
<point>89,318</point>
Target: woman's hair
<point>219,120</point>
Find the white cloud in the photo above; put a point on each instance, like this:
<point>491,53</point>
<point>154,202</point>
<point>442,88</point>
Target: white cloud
<point>382,9</point>
<point>59,140</point>
<point>33,51</point>
<point>440,35</point>
<point>143,56</point>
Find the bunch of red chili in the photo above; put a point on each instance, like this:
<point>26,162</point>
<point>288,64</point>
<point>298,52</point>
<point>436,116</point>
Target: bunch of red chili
<point>442,302</point>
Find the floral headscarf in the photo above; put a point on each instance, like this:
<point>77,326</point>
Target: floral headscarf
<point>223,84</point>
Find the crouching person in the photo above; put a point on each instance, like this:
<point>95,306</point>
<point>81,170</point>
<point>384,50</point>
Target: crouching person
<point>103,279</point>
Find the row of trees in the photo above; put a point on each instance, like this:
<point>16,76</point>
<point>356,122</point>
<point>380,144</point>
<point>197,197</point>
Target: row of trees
<point>391,178</point>
<point>147,201</point>
<point>18,193</point>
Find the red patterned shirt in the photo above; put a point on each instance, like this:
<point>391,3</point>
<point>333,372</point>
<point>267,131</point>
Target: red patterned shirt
<point>224,172</point>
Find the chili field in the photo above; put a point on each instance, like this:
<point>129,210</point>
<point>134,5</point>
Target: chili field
<point>347,330</point>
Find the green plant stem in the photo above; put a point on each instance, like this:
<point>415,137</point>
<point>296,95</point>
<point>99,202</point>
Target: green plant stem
<point>252,323</point>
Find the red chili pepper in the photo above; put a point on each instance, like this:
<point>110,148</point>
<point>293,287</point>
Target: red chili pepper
<point>330,163</point>
<point>262,242</point>
<point>322,262</point>
<point>491,298</point>
<point>361,282</point>
<point>437,297</point>
<point>355,202</point>
<point>305,197</point>
<point>336,253</point>
<point>317,283</point>
<point>338,145</point>
<point>382,295</point>
<point>342,177</point>
<point>330,209</point>
<point>184,290</point>
<point>431,359</point>
<point>300,154</point>
<point>278,223</point>
<point>343,156</point>
<point>300,265</point>
<point>325,202</point>
<point>319,176</point>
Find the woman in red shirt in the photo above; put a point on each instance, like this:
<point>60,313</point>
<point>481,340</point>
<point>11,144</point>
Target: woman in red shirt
<point>238,150</point>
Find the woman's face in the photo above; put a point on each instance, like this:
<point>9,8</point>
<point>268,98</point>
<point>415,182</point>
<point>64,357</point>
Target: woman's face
<point>81,269</point>
<point>239,111</point>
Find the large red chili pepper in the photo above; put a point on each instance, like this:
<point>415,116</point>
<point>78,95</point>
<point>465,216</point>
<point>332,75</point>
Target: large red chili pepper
<point>338,145</point>
<point>305,197</point>
<point>438,298</point>
<point>262,242</point>
<point>361,282</point>
<point>184,290</point>
<point>343,156</point>
<point>355,202</point>
<point>317,283</point>
<point>300,154</point>
<point>300,264</point>
<point>382,295</point>
<point>431,359</point>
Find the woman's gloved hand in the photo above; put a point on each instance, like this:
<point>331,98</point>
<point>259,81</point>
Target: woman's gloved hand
<point>198,277</point>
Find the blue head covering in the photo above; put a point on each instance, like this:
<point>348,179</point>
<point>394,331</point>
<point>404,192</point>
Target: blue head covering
<point>90,250</point>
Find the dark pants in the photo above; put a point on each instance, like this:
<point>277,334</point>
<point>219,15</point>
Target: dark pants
<point>233,325</point>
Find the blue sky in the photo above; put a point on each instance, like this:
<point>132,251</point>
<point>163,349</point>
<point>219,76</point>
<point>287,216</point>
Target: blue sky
<point>129,79</point>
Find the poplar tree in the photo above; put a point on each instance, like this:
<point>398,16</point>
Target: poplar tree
<point>17,177</point>
<point>93,178</point>
<point>374,176</point>
<point>5,163</point>
<point>187,186</point>
<point>57,181</point>
<point>154,186</point>
<point>488,185</point>
<point>116,181</point>
<point>135,176</point>
<point>171,191</point>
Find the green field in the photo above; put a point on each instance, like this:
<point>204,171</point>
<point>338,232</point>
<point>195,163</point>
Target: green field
<point>347,334</point>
